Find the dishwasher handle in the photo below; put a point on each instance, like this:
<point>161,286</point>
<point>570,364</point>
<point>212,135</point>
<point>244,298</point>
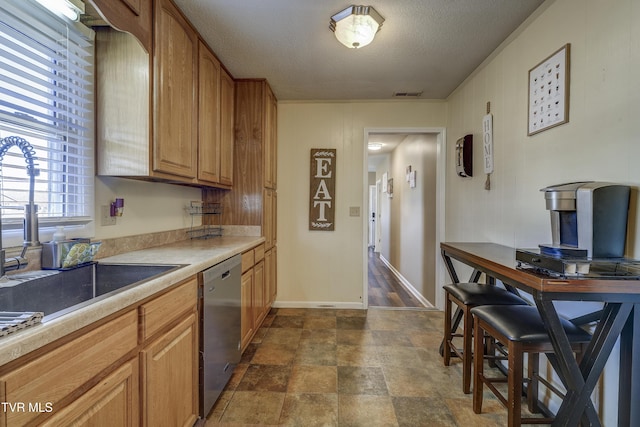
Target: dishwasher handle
<point>226,274</point>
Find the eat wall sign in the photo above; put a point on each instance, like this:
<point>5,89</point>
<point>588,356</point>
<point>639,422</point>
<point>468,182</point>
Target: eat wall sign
<point>322,192</point>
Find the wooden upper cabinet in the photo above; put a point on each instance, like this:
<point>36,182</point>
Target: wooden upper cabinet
<point>227,113</point>
<point>131,16</point>
<point>208,116</point>
<point>176,103</point>
<point>166,114</point>
<point>135,5</point>
<point>254,161</point>
<point>270,143</point>
<point>215,121</point>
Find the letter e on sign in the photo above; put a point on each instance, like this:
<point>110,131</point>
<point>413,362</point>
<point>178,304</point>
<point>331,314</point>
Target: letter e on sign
<point>322,190</point>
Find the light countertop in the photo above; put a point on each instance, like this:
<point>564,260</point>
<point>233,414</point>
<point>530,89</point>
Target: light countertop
<point>195,255</point>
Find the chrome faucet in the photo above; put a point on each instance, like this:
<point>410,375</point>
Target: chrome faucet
<point>30,224</point>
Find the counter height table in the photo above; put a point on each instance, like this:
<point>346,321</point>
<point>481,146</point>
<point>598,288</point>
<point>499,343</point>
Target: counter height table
<point>619,317</point>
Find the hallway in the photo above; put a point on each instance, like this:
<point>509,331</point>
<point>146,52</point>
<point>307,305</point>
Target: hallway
<point>384,288</point>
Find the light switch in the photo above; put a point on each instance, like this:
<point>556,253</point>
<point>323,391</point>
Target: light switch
<point>354,211</point>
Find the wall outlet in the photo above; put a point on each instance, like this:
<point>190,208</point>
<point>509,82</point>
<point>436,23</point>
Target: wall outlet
<point>354,210</point>
<point>106,218</point>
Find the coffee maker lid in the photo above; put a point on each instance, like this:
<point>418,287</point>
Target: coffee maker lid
<point>570,186</point>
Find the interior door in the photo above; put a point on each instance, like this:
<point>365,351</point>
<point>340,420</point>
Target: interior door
<point>373,201</point>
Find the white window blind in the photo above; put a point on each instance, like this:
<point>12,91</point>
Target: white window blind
<point>46,98</point>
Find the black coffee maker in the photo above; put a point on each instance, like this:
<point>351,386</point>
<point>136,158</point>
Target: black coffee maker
<point>588,219</point>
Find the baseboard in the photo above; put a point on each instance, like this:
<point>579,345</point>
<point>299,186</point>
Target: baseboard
<point>406,284</point>
<point>318,304</point>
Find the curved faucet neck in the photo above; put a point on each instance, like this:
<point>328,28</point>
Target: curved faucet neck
<point>31,232</point>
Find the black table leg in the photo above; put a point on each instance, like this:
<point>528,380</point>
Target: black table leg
<point>567,367</point>
<point>450,268</point>
<point>582,379</point>
<point>628,414</point>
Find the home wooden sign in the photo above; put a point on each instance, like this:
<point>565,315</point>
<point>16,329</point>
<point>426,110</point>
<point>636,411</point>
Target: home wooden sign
<point>322,206</point>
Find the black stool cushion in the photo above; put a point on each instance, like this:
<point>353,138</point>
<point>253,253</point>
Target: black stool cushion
<point>522,323</point>
<point>476,294</point>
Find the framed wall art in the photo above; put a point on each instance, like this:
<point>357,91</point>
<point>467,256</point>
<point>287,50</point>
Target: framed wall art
<point>549,92</point>
<point>322,207</point>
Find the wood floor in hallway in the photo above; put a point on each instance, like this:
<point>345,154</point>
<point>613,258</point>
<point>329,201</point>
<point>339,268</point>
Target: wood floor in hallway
<point>385,290</point>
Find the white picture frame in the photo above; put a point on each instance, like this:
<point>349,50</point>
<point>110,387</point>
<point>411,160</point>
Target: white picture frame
<point>549,92</point>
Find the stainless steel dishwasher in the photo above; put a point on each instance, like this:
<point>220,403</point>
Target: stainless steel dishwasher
<point>219,329</point>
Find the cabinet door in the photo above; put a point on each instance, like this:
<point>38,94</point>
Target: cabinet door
<point>267,221</point>
<point>208,116</point>
<point>176,106</point>
<point>170,377</point>
<point>227,103</point>
<point>259,296</point>
<point>246,303</point>
<point>64,371</point>
<point>113,402</point>
<point>270,277</point>
<point>270,139</point>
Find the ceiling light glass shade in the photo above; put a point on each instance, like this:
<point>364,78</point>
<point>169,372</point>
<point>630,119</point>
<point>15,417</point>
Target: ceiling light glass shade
<point>375,146</point>
<point>356,26</point>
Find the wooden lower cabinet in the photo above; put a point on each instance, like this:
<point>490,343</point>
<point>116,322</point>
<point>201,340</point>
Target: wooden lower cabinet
<point>113,402</point>
<point>138,368</point>
<point>169,377</point>
<point>258,289</point>
<point>55,378</point>
<point>246,298</point>
<point>259,294</point>
<point>271,277</point>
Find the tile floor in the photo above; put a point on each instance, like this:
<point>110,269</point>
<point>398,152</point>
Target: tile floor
<point>326,367</point>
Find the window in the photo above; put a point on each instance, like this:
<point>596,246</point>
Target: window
<point>46,98</point>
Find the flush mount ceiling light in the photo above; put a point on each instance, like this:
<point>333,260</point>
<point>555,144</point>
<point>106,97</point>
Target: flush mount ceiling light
<point>374,146</point>
<point>356,26</point>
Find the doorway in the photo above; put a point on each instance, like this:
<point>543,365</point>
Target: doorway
<point>405,190</point>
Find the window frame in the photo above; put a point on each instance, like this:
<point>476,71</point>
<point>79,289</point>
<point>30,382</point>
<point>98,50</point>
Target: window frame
<point>57,164</point>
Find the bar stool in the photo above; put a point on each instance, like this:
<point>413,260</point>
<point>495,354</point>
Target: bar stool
<point>521,330</point>
<point>467,296</point>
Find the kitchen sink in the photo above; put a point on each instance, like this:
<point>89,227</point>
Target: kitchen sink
<point>58,292</point>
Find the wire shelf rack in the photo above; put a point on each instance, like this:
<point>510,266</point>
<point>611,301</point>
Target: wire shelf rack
<point>210,215</point>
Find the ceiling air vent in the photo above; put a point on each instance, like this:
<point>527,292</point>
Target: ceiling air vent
<point>407,94</point>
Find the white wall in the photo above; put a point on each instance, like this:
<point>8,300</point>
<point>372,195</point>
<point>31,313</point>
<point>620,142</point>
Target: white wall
<point>600,142</point>
<point>148,206</point>
<point>326,267</point>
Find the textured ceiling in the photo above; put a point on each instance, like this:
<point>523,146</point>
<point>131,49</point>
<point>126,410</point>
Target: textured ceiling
<point>427,46</point>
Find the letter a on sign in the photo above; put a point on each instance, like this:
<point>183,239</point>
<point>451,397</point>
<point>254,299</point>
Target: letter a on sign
<point>322,203</point>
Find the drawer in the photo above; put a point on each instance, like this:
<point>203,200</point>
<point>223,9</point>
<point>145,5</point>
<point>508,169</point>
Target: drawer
<point>258,253</point>
<point>158,313</point>
<point>55,375</point>
<point>248,259</point>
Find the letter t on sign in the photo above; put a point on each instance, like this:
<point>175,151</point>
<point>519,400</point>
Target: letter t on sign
<point>322,190</point>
